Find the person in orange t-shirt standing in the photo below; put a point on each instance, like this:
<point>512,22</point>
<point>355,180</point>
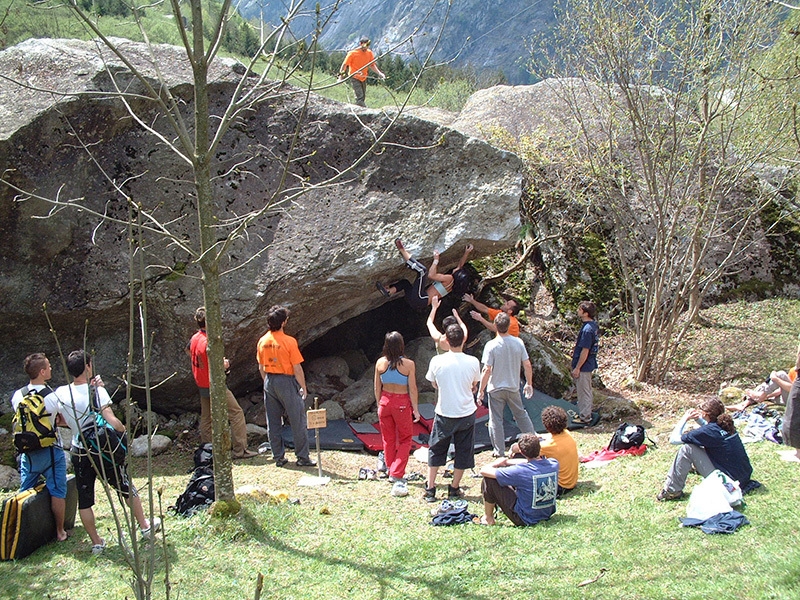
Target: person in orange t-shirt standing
<point>357,63</point>
<point>279,362</point>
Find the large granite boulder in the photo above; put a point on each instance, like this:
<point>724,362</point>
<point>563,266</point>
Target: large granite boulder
<point>320,254</point>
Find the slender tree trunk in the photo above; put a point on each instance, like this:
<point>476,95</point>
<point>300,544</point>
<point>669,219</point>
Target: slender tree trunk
<point>209,264</point>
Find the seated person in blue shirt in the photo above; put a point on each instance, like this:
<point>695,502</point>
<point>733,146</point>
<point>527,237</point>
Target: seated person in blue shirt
<point>524,488</point>
<point>714,445</point>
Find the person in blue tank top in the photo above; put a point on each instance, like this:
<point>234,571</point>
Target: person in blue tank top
<point>396,395</point>
<point>429,282</point>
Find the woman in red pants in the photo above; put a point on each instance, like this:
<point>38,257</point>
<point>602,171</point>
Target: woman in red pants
<point>396,395</point>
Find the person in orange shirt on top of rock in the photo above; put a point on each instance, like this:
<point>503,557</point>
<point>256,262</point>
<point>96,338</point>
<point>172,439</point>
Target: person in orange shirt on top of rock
<point>357,64</point>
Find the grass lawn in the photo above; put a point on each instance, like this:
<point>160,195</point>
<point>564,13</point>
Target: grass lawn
<point>351,539</point>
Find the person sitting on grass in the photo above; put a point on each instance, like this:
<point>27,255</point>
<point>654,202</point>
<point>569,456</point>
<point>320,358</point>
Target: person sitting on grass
<point>714,445</point>
<point>525,488</point>
<point>774,389</point>
<point>561,446</point>
<point>429,283</point>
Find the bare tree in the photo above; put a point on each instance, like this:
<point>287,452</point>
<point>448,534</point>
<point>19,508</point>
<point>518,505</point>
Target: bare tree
<point>660,94</point>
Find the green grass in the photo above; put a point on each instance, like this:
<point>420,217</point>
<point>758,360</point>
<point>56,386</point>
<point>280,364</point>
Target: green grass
<point>740,343</point>
<point>351,539</point>
<point>374,546</point>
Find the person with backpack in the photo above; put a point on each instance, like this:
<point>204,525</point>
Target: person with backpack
<point>36,415</point>
<point>584,361</point>
<point>77,402</point>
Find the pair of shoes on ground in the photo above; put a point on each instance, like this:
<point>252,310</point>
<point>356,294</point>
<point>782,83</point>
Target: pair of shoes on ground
<point>155,527</point>
<point>301,462</point>
<point>245,454</point>
<point>452,492</point>
<point>365,474</point>
<point>448,506</point>
<point>666,496</point>
<point>400,488</point>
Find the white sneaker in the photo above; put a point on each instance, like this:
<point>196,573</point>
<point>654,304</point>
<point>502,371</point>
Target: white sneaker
<point>98,548</point>
<point>155,527</point>
<point>400,488</point>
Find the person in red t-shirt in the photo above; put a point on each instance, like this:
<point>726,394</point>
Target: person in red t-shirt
<point>357,64</point>
<point>198,351</point>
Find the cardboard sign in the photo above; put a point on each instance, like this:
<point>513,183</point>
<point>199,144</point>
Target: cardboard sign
<point>317,419</point>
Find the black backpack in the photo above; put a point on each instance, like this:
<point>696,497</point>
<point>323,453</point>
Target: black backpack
<point>199,492</point>
<point>627,436</point>
<point>203,456</point>
<point>102,442</point>
<point>32,425</point>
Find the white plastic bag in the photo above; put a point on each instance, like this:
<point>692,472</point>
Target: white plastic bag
<point>712,496</point>
<point>733,491</point>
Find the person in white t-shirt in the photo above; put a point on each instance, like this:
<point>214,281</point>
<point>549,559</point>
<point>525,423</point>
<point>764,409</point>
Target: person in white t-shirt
<point>75,405</point>
<point>455,376</point>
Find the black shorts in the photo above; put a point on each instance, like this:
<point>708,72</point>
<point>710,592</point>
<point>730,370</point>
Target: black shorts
<point>85,475</point>
<point>459,430</point>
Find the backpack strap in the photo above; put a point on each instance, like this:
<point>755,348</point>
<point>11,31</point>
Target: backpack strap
<point>44,392</point>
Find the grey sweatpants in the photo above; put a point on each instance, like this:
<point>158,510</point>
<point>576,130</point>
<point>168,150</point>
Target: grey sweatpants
<point>688,456</point>
<point>282,393</point>
<point>498,399</point>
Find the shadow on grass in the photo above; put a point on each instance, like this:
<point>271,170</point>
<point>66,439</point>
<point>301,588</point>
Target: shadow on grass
<point>583,488</point>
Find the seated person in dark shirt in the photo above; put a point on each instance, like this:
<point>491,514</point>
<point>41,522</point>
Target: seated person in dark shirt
<point>714,445</point>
